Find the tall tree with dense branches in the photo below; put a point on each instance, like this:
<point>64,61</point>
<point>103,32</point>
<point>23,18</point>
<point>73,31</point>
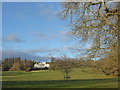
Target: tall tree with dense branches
<point>96,22</point>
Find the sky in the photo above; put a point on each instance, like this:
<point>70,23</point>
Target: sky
<point>32,30</point>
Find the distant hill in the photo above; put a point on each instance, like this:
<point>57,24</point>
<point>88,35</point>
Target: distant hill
<point>23,55</point>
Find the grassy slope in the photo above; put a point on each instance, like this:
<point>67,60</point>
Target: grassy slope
<point>50,79</point>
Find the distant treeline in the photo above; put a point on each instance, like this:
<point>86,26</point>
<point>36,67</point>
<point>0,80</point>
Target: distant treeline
<point>106,65</point>
<point>16,64</point>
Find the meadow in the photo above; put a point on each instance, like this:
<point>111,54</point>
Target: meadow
<point>55,79</point>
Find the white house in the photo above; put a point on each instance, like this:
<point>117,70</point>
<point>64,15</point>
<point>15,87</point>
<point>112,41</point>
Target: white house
<point>41,65</point>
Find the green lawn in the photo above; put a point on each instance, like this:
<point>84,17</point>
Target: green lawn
<point>54,79</point>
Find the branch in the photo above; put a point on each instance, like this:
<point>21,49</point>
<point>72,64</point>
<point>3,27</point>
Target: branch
<point>95,3</point>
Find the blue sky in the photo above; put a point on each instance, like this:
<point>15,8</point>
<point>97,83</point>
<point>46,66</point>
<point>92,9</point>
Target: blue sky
<point>34,29</point>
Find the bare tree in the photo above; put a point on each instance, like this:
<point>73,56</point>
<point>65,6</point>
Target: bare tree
<point>96,22</point>
<point>16,66</point>
<point>63,64</point>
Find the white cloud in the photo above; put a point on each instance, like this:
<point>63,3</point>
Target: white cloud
<point>61,35</point>
<point>40,35</point>
<point>65,36</point>
<point>12,38</point>
<point>69,47</point>
<point>41,50</point>
<point>47,11</point>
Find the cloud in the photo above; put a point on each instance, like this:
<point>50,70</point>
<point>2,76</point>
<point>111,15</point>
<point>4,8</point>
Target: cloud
<point>55,52</point>
<point>61,36</point>
<point>12,38</point>
<point>69,47</point>
<point>41,50</point>
<point>38,54</point>
<point>44,35</point>
<point>79,47</point>
<point>66,36</point>
<point>41,35</point>
<point>47,11</point>
<point>20,53</point>
<point>65,33</point>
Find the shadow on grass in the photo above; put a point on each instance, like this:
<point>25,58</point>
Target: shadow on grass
<point>58,83</point>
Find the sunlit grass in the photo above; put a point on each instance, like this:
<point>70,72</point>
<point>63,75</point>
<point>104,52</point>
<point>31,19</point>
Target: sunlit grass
<point>55,78</point>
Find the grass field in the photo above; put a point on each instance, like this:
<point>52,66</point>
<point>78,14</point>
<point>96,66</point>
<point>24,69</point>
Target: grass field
<point>54,79</point>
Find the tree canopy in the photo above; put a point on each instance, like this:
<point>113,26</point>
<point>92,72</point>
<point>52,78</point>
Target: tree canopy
<point>96,22</point>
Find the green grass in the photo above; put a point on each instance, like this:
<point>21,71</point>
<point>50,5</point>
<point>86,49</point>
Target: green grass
<point>92,83</point>
<point>54,79</point>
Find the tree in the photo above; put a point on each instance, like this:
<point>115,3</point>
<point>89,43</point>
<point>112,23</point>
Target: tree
<point>26,64</point>
<point>65,66</point>
<point>16,66</point>
<point>107,66</point>
<point>5,67</point>
<point>52,59</point>
<point>7,63</point>
<point>96,22</point>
